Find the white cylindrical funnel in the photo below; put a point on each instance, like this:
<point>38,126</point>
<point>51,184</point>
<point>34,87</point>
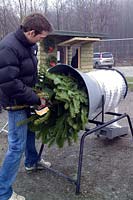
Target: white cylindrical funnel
<point>109,83</point>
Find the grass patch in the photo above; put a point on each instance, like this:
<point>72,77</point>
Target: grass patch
<point>129,80</point>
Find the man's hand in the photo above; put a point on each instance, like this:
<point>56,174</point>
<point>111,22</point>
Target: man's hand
<point>42,109</point>
<point>43,103</point>
<point>42,94</point>
<point>43,100</point>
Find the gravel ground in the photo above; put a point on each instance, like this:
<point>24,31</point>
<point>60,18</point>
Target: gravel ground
<point>126,70</point>
<point>107,172</point>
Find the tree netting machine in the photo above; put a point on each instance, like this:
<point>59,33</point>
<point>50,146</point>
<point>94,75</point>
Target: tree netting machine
<point>105,89</point>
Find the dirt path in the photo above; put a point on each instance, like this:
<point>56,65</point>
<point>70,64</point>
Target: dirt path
<point>107,172</point>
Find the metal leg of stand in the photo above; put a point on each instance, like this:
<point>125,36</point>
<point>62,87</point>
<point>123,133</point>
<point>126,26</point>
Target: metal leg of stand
<point>3,128</point>
<point>80,165</point>
<point>39,155</point>
<point>40,152</point>
<point>80,161</point>
<point>130,124</point>
<point>82,145</point>
<point>81,158</point>
<point>103,108</point>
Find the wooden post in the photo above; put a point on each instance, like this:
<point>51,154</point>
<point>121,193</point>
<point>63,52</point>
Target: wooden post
<point>87,57</point>
<point>69,55</point>
<point>66,55</point>
<point>79,60</point>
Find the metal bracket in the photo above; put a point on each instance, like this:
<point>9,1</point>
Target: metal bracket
<point>99,126</point>
<point>3,129</point>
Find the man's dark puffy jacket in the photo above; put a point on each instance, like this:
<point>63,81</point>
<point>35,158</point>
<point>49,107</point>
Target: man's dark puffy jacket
<point>18,70</point>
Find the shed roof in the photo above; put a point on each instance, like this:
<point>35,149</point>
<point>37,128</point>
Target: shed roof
<point>78,34</point>
<point>78,40</point>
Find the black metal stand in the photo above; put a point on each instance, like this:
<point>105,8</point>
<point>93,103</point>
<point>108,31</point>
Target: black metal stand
<point>99,125</point>
<point>3,129</point>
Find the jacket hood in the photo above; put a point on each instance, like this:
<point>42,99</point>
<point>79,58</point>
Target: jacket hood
<point>22,38</point>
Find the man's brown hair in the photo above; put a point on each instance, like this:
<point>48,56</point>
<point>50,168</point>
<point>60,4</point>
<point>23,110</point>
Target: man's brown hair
<point>37,22</point>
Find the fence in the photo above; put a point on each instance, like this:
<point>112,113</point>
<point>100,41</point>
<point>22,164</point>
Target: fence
<point>122,50</point>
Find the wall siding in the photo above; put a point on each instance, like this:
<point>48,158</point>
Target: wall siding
<point>85,61</point>
<point>86,56</point>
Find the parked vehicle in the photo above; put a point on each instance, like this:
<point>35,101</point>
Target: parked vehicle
<point>103,59</point>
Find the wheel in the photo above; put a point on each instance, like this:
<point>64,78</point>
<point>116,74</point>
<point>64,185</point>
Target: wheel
<point>110,66</point>
<point>96,65</point>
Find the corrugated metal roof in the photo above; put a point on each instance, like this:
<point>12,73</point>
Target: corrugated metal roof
<point>78,34</point>
<point>78,40</point>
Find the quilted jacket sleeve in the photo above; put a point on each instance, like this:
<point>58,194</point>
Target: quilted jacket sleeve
<point>10,82</point>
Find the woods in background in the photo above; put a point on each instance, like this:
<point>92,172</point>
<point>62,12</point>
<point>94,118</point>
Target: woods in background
<point>113,17</point>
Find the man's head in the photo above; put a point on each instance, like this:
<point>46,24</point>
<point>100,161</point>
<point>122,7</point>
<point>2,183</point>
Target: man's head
<point>36,27</point>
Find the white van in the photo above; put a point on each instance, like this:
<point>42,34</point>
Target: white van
<point>103,59</point>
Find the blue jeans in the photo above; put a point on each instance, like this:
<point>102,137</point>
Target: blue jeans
<point>18,142</point>
<point>31,155</point>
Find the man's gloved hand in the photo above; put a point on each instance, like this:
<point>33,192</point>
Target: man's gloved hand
<point>43,103</point>
<point>43,100</point>
<point>42,109</point>
<point>42,94</point>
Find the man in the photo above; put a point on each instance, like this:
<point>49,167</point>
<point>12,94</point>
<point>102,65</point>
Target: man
<point>74,62</point>
<point>18,74</point>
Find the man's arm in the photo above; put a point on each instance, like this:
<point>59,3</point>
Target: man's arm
<point>10,82</point>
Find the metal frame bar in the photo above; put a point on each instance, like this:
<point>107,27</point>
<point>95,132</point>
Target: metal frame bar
<point>3,128</point>
<point>121,116</point>
<point>99,126</point>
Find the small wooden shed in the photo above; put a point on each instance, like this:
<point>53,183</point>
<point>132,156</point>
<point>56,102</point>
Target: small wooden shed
<point>63,45</point>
